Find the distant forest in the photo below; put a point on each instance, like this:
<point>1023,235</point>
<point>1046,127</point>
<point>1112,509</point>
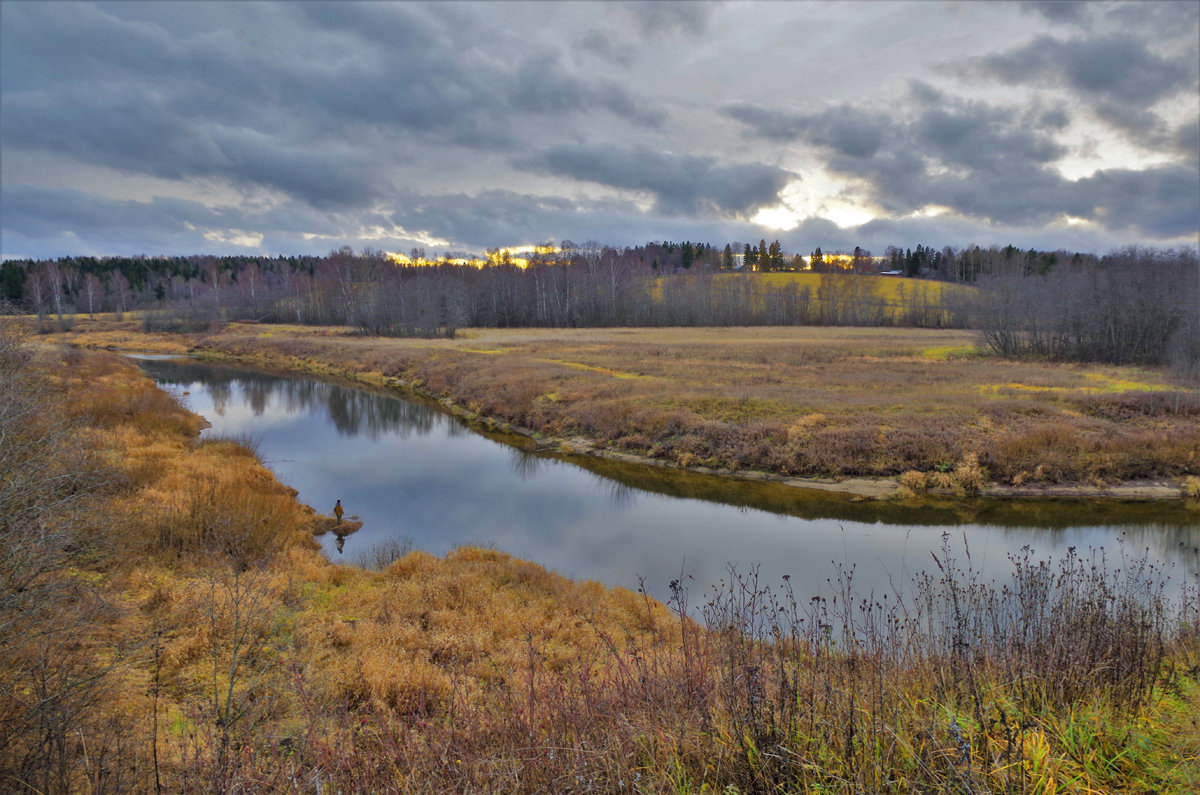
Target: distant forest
<point>1131,306</point>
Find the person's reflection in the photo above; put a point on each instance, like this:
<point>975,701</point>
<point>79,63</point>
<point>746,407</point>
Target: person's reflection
<point>341,542</point>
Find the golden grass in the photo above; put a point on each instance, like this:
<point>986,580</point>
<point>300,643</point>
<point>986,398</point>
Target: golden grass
<point>943,352</point>
<point>895,294</point>
<point>888,287</point>
<point>593,368</point>
<point>481,672</point>
<point>224,594</point>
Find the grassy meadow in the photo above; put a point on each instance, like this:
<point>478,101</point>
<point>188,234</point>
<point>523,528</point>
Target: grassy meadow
<point>919,406</point>
<point>172,627</point>
<point>896,296</point>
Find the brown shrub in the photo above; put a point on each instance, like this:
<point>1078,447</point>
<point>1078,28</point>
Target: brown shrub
<point>969,476</point>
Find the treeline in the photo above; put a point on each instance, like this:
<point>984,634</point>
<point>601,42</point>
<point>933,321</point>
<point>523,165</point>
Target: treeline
<point>1135,305</point>
<point>658,284</point>
<point>1132,306</point>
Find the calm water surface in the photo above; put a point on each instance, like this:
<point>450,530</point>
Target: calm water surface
<point>410,471</point>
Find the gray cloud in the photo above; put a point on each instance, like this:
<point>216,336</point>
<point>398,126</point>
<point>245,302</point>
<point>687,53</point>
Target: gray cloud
<point>1058,11</point>
<point>94,224</point>
<point>1115,68</point>
<point>35,219</point>
<point>1158,21</point>
<point>954,132</point>
<point>1052,119</point>
<point>1157,202</point>
<point>986,162</point>
<point>1187,139</point>
<point>541,85</point>
<point>317,124</point>
<point>324,129</point>
<point>679,183</point>
<point>662,17</point>
<point>141,135</point>
<point>978,136</point>
<point>843,128</point>
<point>489,218</point>
<point>606,48</point>
<point>1126,60</point>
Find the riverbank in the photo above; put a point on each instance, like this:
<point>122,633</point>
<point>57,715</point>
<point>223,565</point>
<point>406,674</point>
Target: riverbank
<point>876,413</point>
<point>167,604</point>
<point>191,639</point>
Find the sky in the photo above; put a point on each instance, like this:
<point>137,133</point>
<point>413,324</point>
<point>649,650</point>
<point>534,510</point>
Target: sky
<point>301,127</point>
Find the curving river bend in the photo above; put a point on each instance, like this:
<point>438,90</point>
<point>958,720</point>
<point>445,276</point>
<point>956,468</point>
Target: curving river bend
<point>410,471</point>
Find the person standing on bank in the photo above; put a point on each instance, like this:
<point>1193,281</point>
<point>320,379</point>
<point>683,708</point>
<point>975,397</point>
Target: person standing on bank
<point>337,511</point>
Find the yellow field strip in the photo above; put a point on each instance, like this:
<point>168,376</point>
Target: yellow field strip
<point>593,368</point>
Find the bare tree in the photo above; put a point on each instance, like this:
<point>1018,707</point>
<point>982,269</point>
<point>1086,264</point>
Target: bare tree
<point>49,674</point>
<point>92,290</point>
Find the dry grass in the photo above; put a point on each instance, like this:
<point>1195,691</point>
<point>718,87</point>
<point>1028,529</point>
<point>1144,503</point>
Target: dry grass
<point>890,400</point>
<point>478,672</point>
<point>227,619</point>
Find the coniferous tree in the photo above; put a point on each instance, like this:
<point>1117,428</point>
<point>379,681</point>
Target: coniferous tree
<point>686,254</point>
<point>775,257</point>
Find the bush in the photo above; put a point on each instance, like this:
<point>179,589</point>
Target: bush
<point>969,476</point>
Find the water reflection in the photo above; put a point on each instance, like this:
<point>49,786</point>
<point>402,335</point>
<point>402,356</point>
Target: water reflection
<point>525,464</point>
<point>409,470</point>
<point>352,412</point>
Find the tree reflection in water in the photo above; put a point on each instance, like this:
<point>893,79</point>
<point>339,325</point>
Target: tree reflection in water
<point>523,463</point>
<point>353,411</point>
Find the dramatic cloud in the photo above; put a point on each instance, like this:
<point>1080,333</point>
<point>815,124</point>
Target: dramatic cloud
<point>506,215</point>
<point>1115,68</point>
<point>310,128</point>
<point>982,161</point>
<point>844,129</point>
<point>679,183</point>
<point>300,127</point>
<point>1122,68</point>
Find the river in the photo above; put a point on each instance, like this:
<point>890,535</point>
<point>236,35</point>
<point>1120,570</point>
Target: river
<point>410,471</point>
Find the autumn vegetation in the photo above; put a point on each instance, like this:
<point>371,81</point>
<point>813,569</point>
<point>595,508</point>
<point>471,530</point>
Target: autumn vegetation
<point>168,625</point>
<point>964,369</point>
<point>921,407</point>
<point>1130,306</point>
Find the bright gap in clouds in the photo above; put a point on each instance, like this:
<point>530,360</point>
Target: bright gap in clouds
<point>1092,147</point>
<point>237,237</point>
<point>931,211</point>
<point>818,196</point>
<point>779,218</point>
